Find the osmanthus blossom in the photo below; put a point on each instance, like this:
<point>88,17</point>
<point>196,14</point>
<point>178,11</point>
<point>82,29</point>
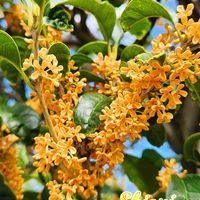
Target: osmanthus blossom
<point>9,164</point>
<point>150,89</point>
<point>164,176</point>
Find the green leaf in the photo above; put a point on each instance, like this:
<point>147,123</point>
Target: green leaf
<point>27,115</point>
<point>93,48</point>
<point>195,90</point>
<point>138,10</point>
<point>142,171</point>
<point>59,19</point>
<point>9,72</point>
<point>21,120</point>
<point>190,148</point>
<point>9,50</point>
<point>141,28</point>
<point>9,53</point>
<point>116,3</point>
<point>81,59</point>
<point>41,2</point>
<point>156,135</point>
<point>184,189</point>
<point>131,51</point>
<point>192,183</point>
<point>62,53</point>
<point>5,192</point>
<point>104,13</point>
<point>145,57</point>
<point>88,110</point>
<point>90,76</point>
<point>30,195</point>
<point>24,51</point>
<point>176,187</point>
<point>22,155</point>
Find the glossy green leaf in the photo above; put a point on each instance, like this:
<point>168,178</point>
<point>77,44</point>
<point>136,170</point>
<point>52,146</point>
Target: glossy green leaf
<point>190,148</point>
<point>9,53</point>
<point>5,192</point>
<point>156,134</point>
<point>195,90</point>
<point>9,72</point>
<point>62,53</point>
<point>59,19</point>
<point>21,120</point>
<point>145,57</point>
<point>176,187</point>
<point>184,188</point>
<point>116,3</point>
<point>142,171</point>
<point>24,51</point>
<point>141,29</point>
<point>94,48</point>
<point>81,59</point>
<point>90,76</point>
<point>138,10</point>
<point>88,110</point>
<point>104,13</point>
<point>131,51</point>
<point>28,116</point>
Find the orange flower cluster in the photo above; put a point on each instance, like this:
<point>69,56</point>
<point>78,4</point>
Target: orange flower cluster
<point>52,36</point>
<point>70,150</point>
<point>8,164</point>
<point>164,177</point>
<point>188,27</point>
<point>14,17</point>
<point>141,89</point>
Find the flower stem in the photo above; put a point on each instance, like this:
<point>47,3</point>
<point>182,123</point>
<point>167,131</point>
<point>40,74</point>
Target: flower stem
<point>38,87</point>
<point>45,109</point>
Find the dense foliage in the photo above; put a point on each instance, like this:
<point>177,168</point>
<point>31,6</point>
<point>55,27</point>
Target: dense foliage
<point>70,135</point>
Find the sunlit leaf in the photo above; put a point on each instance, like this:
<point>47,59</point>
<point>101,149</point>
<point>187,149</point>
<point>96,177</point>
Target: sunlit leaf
<point>104,12</point>
<point>184,188</point>
<point>131,51</point>
<point>145,57</point>
<point>62,53</point>
<point>141,29</point>
<point>138,10</point>
<point>88,110</point>
<point>93,48</point>
<point>81,59</point>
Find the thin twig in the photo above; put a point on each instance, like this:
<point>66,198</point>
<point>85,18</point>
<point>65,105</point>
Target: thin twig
<point>45,109</point>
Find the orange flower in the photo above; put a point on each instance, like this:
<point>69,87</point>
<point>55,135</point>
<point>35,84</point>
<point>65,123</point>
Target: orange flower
<point>164,177</point>
<point>173,95</point>
<point>183,14</point>
<point>9,164</point>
